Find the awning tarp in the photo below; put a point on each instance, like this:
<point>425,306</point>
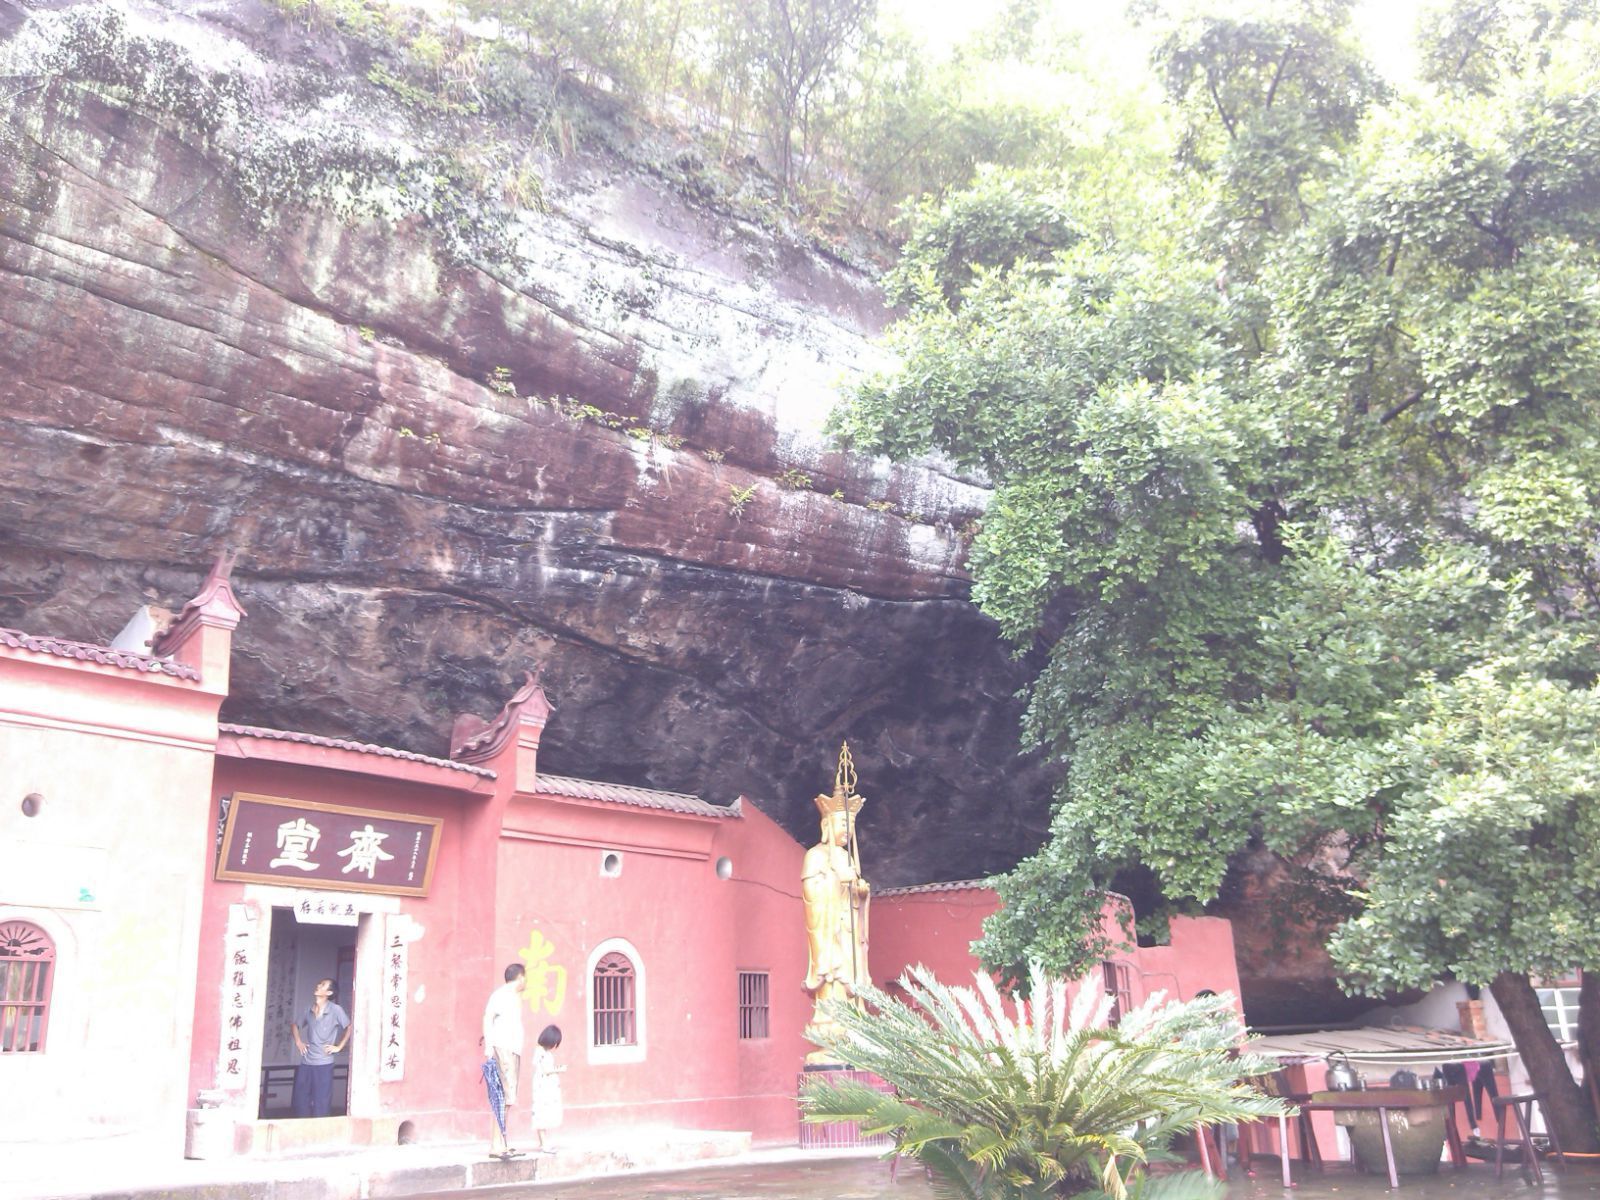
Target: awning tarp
<point>1382,1046</point>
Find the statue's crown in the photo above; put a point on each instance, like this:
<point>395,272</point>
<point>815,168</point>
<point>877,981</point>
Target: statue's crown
<point>844,798</point>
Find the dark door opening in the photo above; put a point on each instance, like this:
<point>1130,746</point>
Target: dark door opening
<point>298,955</point>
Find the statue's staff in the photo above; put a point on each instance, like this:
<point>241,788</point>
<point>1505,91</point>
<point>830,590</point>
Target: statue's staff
<point>858,902</point>
<point>845,783</point>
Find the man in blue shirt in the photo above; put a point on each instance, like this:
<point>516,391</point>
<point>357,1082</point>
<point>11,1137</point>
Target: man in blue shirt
<point>322,1031</point>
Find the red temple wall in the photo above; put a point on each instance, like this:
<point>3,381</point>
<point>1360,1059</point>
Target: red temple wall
<point>445,961</point>
<point>690,932</point>
<point>769,932</point>
<point>110,869</point>
<point>937,928</point>
<point>932,928</point>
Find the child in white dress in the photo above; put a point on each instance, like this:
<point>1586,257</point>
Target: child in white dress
<point>545,1109</point>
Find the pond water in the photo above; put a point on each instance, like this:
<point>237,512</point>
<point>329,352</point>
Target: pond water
<point>868,1179</point>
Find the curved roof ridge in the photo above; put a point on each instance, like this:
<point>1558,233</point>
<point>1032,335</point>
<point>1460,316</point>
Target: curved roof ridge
<point>333,743</point>
<point>638,797</point>
<point>92,652</point>
<point>954,885</point>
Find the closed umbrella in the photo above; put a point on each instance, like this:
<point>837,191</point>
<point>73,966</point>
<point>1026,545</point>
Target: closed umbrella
<point>497,1092</point>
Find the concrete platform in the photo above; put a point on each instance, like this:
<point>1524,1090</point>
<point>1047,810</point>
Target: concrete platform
<point>363,1172</point>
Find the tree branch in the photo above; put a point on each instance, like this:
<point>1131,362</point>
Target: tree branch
<point>1268,520</point>
<point>1503,241</point>
<point>1227,122</point>
<point>1411,399</point>
<point>1277,76</point>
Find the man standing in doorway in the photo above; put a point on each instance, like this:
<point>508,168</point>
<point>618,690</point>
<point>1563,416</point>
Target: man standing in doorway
<point>503,1039</point>
<point>321,1032</point>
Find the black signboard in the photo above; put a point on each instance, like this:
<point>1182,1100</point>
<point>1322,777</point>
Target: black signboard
<point>269,839</point>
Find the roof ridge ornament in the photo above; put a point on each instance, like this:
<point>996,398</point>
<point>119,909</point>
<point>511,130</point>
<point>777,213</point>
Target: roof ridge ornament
<point>214,604</point>
<point>474,740</point>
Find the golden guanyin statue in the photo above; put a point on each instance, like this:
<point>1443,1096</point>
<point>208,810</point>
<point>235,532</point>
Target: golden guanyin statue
<point>836,899</point>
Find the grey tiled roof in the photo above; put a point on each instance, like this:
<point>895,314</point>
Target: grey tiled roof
<point>955,885</point>
<point>105,655</point>
<point>637,797</point>
<point>312,739</point>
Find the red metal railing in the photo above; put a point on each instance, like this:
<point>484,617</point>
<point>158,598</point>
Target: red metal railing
<point>840,1135</point>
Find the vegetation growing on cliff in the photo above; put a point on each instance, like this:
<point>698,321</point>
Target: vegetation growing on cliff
<point>276,170</point>
<point>1297,475</point>
<point>849,113</point>
<point>825,119</point>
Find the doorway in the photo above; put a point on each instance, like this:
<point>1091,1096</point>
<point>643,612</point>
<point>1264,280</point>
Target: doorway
<point>298,955</point>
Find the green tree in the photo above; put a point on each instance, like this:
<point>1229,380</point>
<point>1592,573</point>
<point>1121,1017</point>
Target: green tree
<point>1494,843</point>
<point>799,45</point>
<point>851,115</point>
<point>1282,473</point>
<point>1050,1101</point>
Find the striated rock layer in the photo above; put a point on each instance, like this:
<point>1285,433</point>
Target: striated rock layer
<point>468,404</point>
<point>247,297</point>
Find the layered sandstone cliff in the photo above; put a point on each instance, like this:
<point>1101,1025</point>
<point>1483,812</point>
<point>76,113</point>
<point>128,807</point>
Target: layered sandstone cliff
<point>469,398</point>
<point>466,403</point>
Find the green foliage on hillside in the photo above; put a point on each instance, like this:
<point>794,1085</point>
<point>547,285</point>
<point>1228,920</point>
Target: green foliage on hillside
<point>1296,481</point>
<point>849,114</point>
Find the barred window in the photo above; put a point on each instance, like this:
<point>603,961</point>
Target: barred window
<point>1119,986</point>
<point>752,1005</point>
<point>1560,1004</point>
<point>27,971</point>
<point>614,1001</point>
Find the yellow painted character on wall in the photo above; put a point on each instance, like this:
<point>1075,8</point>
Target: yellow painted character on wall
<point>547,982</point>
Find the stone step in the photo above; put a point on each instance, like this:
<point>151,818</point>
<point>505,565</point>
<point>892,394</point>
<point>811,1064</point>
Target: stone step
<point>375,1172</point>
<point>639,1150</point>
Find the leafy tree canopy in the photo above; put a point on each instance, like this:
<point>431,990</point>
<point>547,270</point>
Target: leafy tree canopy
<point>845,107</point>
<point>1295,486</point>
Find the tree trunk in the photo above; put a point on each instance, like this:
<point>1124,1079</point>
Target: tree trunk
<point>1589,1036</point>
<point>1565,1107</point>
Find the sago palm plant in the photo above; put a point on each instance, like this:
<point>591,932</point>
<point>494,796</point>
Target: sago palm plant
<point>1047,1102</point>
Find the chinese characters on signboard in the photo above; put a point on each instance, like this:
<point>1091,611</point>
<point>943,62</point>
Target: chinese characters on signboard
<point>325,908</point>
<point>241,946</point>
<point>396,957</point>
<point>274,840</point>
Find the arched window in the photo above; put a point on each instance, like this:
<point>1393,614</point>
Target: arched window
<point>617,1003</point>
<point>614,1001</point>
<point>27,969</point>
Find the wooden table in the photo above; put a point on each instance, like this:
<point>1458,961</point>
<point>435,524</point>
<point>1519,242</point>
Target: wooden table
<point>1384,1101</point>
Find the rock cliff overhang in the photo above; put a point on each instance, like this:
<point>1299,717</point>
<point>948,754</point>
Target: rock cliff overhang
<point>456,429</point>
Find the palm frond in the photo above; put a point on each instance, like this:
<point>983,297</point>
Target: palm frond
<point>1028,1094</point>
<point>954,1177</point>
<point>1181,1185</point>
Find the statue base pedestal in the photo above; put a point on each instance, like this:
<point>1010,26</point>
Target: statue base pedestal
<point>839,1135</point>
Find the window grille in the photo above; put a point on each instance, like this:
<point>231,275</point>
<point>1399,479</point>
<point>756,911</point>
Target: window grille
<point>1560,1006</point>
<point>1119,986</point>
<point>27,970</point>
<point>614,1001</point>
<point>752,1004</point>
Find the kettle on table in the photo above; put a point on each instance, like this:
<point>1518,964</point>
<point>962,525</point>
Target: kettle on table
<point>1342,1076</point>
